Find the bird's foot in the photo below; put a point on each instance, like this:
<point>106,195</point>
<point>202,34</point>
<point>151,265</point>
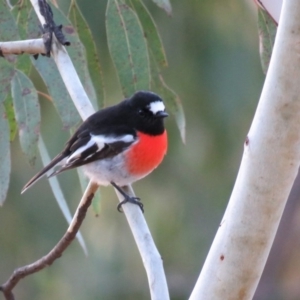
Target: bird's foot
<point>133,200</point>
<point>127,198</point>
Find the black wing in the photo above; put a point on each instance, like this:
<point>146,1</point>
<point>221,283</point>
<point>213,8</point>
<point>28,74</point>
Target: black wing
<point>91,146</point>
<point>86,146</point>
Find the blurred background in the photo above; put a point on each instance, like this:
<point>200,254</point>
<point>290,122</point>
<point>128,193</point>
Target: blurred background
<point>214,66</point>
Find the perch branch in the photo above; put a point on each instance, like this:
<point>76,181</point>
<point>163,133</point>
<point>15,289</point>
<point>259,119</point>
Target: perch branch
<point>151,258</point>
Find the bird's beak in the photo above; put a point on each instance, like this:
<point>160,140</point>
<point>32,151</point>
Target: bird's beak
<point>161,114</point>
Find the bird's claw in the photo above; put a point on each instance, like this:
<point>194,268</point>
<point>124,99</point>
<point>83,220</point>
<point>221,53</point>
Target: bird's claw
<point>133,200</point>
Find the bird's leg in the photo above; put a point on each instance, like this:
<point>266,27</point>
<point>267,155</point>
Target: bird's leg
<point>127,198</point>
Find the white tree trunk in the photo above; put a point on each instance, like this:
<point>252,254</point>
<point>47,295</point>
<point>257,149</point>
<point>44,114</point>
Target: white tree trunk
<point>269,166</point>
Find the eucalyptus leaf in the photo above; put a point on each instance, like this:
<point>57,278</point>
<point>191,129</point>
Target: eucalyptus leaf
<point>6,74</point>
<point>27,112</point>
<point>22,11</point>
<point>128,47</point>
<point>87,40</point>
<point>9,30</point>
<point>5,164</point>
<point>10,114</point>
<point>267,29</point>
<point>150,32</point>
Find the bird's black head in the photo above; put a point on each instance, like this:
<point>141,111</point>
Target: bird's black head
<point>149,112</point>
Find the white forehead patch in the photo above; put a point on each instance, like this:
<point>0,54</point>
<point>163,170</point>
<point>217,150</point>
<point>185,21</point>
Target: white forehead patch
<point>156,106</point>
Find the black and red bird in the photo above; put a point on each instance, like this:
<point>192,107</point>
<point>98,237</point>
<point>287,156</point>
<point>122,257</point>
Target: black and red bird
<point>117,145</point>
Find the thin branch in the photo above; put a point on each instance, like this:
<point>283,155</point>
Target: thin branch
<point>46,96</point>
<point>57,251</point>
<point>35,46</point>
<point>268,169</point>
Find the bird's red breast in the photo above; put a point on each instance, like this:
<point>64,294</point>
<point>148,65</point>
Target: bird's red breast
<point>147,153</point>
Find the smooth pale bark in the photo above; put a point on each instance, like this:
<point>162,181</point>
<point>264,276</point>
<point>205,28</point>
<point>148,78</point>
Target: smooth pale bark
<point>35,46</point>
<point>151,258</point>
<point>269,166</point>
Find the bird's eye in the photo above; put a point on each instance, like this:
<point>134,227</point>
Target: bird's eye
<point>143,112</point>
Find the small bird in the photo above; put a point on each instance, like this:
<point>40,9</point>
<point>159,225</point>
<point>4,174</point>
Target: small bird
<point>117,145</point>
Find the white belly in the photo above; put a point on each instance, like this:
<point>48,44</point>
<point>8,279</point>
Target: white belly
<point>107,170</point>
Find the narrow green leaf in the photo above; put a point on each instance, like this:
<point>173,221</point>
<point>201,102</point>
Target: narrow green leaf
<point>171,99</point>
<point>150,32</point>
<point>165,5</point>
<point>50,75</point>
<point>22,12</point>
<point>127,46</point>
<point>10,114</point>
<point>4,155</point>
<point>267,29</point>
<point>27,112</point>
<point>86,38</point>
<point>6,74</point>
<point>9,30</point>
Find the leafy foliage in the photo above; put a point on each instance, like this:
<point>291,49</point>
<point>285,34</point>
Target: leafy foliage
<point>10,114</point>
<point>127,47</point>
<point>27,112</point>
<point>136,50</point>
<point>6,74</point>
<point>151,34</point>
<point>4,154</point>
<point>21,15</point>
<point>138,54</point>
<point>9,30</point>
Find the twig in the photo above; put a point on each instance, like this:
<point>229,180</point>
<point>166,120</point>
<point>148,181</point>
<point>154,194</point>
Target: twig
<point>46,96</point>
<point>35,46</point>
<point>57,251</point>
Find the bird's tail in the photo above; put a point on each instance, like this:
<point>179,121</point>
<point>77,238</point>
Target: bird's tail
<point>40,174</point>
